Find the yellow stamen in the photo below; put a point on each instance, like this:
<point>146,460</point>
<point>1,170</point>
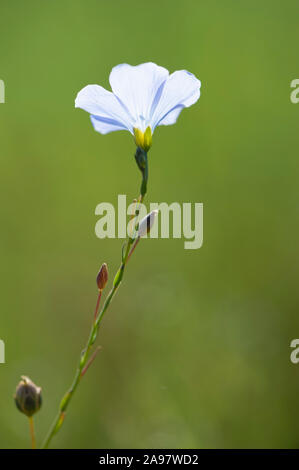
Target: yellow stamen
<point>147,139</point>
<point>143,139</point>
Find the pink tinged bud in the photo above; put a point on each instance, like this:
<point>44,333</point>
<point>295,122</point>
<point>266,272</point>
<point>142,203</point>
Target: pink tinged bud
<point>146,223</point>
<point>102,277</point>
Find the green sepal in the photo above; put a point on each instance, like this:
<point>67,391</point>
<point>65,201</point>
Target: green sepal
<point>141,160</point>
<point>64,402</point>
<point>119,276</point>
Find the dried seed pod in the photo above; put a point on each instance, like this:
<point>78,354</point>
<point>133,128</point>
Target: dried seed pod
<point>28,396</point>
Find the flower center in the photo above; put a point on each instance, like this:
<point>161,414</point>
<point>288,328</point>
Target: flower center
<point>143,139</point>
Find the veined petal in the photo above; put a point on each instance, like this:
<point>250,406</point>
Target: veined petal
<point>181,90</point>
<point>139,89</point>
<point>108,113</point>
<point>106,125</point>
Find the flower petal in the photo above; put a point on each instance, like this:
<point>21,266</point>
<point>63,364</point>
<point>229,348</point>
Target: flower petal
<point>137,87</point>
<point>108,113</point>
<point>106,125</point>
<point>181,90</point>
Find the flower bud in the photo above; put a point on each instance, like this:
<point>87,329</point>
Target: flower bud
<point>146,223</point>
<point>102,277</point>
<point>28,396</point>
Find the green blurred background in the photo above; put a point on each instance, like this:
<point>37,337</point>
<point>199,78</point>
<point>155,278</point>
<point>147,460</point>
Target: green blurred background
<point>196,345</point>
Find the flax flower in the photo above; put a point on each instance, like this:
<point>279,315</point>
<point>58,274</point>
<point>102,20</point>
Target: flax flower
<point>143,97</point>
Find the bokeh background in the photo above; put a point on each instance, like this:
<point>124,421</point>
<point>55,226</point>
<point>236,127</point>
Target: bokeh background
<point>196,345</point>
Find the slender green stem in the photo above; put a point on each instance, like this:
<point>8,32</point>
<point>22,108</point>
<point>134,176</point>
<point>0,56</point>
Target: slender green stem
<point>32,433</point>
<point>92,337</point>
<point>97,305</point>
<point>133,248</point>
<point>90,360</point>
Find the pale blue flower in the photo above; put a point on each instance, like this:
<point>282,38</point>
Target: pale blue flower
<point>143,97</point>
